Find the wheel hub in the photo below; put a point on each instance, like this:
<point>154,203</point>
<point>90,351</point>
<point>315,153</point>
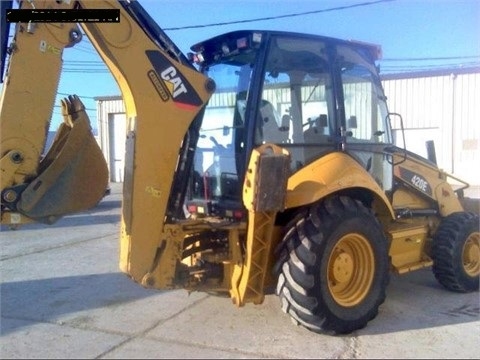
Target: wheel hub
<point>342,268</point>
<point>351,267</point>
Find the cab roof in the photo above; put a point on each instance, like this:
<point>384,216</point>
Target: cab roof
<point>215,42</point>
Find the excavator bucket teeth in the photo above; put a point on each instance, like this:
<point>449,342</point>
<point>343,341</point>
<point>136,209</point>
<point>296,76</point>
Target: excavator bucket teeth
<point>73,175</point>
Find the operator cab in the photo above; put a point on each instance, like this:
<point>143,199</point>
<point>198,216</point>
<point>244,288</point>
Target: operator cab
<point>311,95</point>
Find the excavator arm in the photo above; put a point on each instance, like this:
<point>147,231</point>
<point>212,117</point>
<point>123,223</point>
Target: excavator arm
<point>29,182</point>
<point>164,97</point>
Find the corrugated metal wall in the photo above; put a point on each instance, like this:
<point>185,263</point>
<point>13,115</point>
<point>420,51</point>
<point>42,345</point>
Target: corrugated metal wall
<point>105,107</point>
<point>445,108</point>
<point>466,129</point>
<point>439,106</point>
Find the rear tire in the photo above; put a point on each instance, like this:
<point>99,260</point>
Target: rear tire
<point>333,267</point>
<point>456,252</point>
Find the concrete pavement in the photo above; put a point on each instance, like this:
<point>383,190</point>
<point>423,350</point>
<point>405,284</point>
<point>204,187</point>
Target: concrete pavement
<point>62,296</point>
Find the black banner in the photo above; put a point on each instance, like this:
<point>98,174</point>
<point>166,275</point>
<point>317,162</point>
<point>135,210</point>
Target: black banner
<point>416,180</point>
<point>63,15</point>
<point>170,82</point>
<point>4,32</point>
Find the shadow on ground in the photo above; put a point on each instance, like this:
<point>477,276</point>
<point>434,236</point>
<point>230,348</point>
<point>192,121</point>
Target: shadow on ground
<point>48,300</point>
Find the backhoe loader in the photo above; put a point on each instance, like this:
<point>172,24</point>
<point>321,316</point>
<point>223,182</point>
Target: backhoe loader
<point>262,162</point>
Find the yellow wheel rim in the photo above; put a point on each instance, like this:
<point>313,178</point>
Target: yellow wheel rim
<point>471,254</point>
<point>351,267</point>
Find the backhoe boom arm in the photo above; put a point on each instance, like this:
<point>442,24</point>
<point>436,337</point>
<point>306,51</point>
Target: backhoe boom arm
<point>163,94</point>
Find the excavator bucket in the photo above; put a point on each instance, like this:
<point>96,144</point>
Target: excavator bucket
<point>73,176</point>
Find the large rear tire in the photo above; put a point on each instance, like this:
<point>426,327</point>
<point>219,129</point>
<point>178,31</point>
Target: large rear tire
<point>456,252</point>
<point>333,267</point>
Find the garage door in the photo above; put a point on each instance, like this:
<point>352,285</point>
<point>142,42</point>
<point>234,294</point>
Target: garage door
<point>117,126</point>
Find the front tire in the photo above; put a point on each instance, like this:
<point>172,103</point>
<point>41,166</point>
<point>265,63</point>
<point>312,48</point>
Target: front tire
<point>333,267</point>
<point>456,252</point>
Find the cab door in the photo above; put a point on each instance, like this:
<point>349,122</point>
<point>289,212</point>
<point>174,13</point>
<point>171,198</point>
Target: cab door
<point>365,125</point>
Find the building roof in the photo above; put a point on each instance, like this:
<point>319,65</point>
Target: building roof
<point>107,98</point>
<point>388,76</point>
<point>430,73</point>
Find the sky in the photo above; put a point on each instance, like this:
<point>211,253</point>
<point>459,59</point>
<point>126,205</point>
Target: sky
<point>415,35</point>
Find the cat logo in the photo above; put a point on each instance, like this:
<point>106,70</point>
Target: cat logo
<point>159,85</point>
<point>170,83</point>
<point>174,83</point>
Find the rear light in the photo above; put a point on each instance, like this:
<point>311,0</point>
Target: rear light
<point>235,214</point>
<point>242,43</point>
<point>208,208</point>
<point>238,214</point>
<point>195,58</point>
<point>196,209</point>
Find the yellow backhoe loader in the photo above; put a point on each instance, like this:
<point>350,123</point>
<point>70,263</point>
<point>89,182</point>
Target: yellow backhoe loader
<point>260,162</point>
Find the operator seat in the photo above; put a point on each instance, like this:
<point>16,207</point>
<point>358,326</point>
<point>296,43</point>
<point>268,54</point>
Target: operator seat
<point>271,127</point>
<point>314,137</point>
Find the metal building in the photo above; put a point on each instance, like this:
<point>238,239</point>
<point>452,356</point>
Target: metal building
<point>441,105</point>
<point>112,127</point>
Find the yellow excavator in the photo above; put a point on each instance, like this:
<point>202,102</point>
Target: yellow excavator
<point>261,162</point>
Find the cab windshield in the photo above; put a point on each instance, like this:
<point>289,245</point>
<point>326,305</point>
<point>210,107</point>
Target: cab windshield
<point>220,145</point>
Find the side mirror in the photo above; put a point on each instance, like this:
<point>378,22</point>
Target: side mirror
<point>396,124</point>
<point>226,130</point>
<point>352,122</point>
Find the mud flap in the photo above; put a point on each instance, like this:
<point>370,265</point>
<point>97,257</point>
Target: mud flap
<point>73,175</point>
